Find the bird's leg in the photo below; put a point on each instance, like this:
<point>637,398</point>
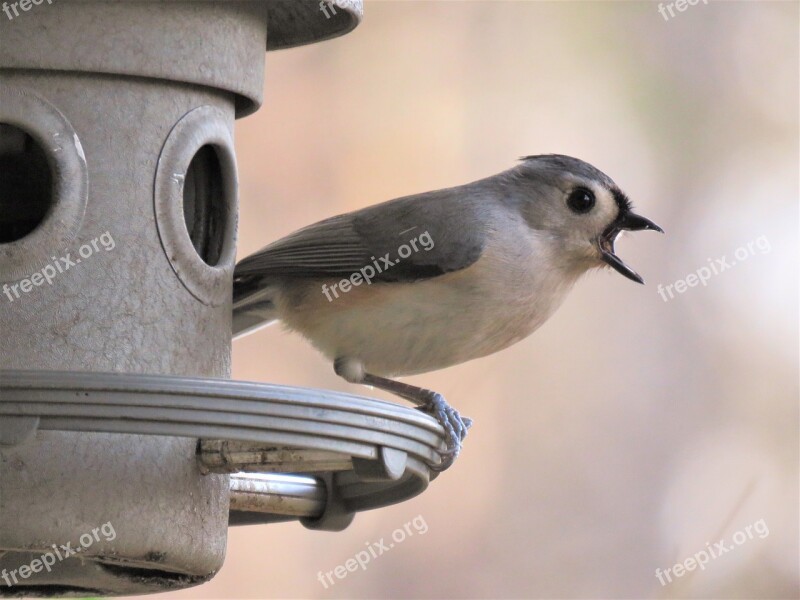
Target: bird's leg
<point>455,426</point>
<point>433,403</point>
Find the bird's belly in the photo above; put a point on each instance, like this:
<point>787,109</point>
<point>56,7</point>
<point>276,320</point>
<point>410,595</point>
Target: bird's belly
<point>407,328</point>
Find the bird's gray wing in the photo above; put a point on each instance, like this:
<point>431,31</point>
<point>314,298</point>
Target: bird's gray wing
<point>452,228</point>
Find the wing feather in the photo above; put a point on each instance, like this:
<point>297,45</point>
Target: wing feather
<point>454,223</point>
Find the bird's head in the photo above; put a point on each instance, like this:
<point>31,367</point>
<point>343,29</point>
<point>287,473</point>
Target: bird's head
<point>579,208</point>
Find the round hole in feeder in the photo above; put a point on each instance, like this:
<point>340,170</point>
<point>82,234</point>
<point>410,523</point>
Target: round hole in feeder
<point>204,205</point>
<point>26,187</point>
<point>194,199</point>
<point>44,182</point>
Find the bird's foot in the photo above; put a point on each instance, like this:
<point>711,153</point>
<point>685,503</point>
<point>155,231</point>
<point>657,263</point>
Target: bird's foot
<point>455,428</point>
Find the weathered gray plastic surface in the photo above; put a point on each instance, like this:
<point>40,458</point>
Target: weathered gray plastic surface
<point>101,86</point>
<point>214,43</point>
<point>390,444</point>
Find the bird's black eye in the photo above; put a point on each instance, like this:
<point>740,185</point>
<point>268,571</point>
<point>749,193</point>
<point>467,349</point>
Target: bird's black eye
<point>581,200</point>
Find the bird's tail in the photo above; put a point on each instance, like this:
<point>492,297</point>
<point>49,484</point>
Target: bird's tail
<point>253,307</point>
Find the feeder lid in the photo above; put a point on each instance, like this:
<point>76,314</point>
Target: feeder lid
<point>217,44</point>
<point>298,22</point>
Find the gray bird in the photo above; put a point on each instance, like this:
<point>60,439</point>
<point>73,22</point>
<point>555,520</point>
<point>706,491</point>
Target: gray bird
<point>432,280</point>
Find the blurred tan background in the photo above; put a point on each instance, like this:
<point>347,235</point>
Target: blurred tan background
<point>629,432</point>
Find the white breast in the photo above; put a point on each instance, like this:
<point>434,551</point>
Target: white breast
<point>407,328</point>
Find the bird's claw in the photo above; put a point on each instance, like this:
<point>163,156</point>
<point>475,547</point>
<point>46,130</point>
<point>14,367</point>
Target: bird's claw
<point>455,428</point>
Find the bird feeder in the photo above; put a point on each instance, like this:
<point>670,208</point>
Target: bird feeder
<point>125,449</point>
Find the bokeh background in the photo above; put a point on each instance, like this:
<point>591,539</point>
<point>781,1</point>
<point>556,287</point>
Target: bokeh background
<point>629,431</point>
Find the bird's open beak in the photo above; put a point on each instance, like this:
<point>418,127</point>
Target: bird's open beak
<point>626,221</point>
